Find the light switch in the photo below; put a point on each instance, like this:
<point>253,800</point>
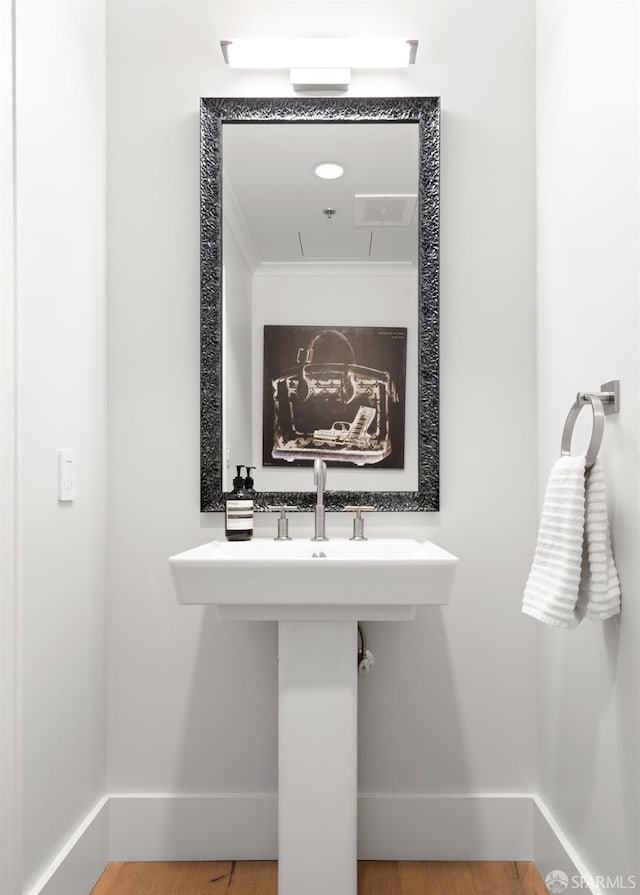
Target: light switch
<point>66,474</point>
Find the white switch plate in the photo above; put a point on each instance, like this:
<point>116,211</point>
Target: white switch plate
<point>66,474</point>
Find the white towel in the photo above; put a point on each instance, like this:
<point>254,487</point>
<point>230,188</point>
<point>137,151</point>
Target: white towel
<point>573,574</point>
<point>599,596</point>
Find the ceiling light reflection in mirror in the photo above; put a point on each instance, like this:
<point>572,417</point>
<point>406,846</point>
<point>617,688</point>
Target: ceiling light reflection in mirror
<point>328,170</point>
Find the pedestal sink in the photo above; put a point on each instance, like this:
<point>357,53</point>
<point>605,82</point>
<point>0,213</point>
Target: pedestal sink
<point>317,592</point>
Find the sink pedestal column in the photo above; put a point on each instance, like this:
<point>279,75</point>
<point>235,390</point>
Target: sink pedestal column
<point>317,785</point>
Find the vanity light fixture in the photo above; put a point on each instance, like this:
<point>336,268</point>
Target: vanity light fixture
<point>319,79</point>
<point>319,63</point>
<point>328,170</point>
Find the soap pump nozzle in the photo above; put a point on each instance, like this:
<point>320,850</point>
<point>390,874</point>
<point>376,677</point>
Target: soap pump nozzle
<point>238,481</point>
<point>248,482</point>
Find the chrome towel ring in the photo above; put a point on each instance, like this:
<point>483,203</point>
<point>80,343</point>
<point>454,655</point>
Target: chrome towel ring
<point>604,402</point>
<point>596,434</point>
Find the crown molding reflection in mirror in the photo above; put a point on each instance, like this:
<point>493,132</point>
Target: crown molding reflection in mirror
<point>425,112</point>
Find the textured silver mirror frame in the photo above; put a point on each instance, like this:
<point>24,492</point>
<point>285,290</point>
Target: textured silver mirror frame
<point>425,111</point>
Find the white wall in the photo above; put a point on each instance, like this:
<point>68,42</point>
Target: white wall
<point>334,295</point>
<point>60,394</point>
<point>9,736</point>
<point>192,701</point>
<point>588,195</point>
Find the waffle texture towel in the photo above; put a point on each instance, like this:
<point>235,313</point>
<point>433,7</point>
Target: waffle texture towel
<point>573,575</point>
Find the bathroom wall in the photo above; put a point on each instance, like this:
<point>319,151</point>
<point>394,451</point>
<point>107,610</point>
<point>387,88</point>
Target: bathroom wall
<point>450,706</point>
<point>60,401</point>
<point>588,195</point>
<point>9,859</point>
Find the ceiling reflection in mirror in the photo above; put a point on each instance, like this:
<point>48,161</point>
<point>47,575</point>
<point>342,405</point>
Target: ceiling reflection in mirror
<point>323,307</point>
<point>368,214</point>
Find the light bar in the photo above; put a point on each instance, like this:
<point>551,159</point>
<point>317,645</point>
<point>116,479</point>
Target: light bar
<point>319,53</point>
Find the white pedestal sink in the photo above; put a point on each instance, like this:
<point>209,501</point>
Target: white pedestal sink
<point>317,592</point>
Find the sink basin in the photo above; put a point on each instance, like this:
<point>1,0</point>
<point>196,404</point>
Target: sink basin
<point>381,579</point>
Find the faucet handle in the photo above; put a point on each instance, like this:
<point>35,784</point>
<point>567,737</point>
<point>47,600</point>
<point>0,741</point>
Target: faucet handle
<point>358,521</point>
<point>283,522</point>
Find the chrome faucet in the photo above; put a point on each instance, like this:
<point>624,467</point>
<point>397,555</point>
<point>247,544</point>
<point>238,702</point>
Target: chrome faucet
<point>320,481</point>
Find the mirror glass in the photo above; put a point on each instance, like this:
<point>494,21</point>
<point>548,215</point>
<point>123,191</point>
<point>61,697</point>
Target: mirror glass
<point>319,299</point>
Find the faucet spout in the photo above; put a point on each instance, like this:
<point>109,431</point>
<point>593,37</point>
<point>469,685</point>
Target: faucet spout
<point>320,481</point>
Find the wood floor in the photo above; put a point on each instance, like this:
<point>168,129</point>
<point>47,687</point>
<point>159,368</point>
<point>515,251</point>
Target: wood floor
<point>374,878</point>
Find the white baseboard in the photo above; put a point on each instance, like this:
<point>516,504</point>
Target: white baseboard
<point>393,827</point>
<point>214,827</point>
<point>407,827</point>
<point>79,864</point>
<point>554,852</point>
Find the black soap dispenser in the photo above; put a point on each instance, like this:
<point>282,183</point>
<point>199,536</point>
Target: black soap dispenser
<point>238,508</point>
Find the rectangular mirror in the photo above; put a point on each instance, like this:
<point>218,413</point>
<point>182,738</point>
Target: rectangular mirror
<point>319,299</point>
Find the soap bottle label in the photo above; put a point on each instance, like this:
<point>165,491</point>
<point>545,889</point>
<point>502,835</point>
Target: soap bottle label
<point>240,515</point>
